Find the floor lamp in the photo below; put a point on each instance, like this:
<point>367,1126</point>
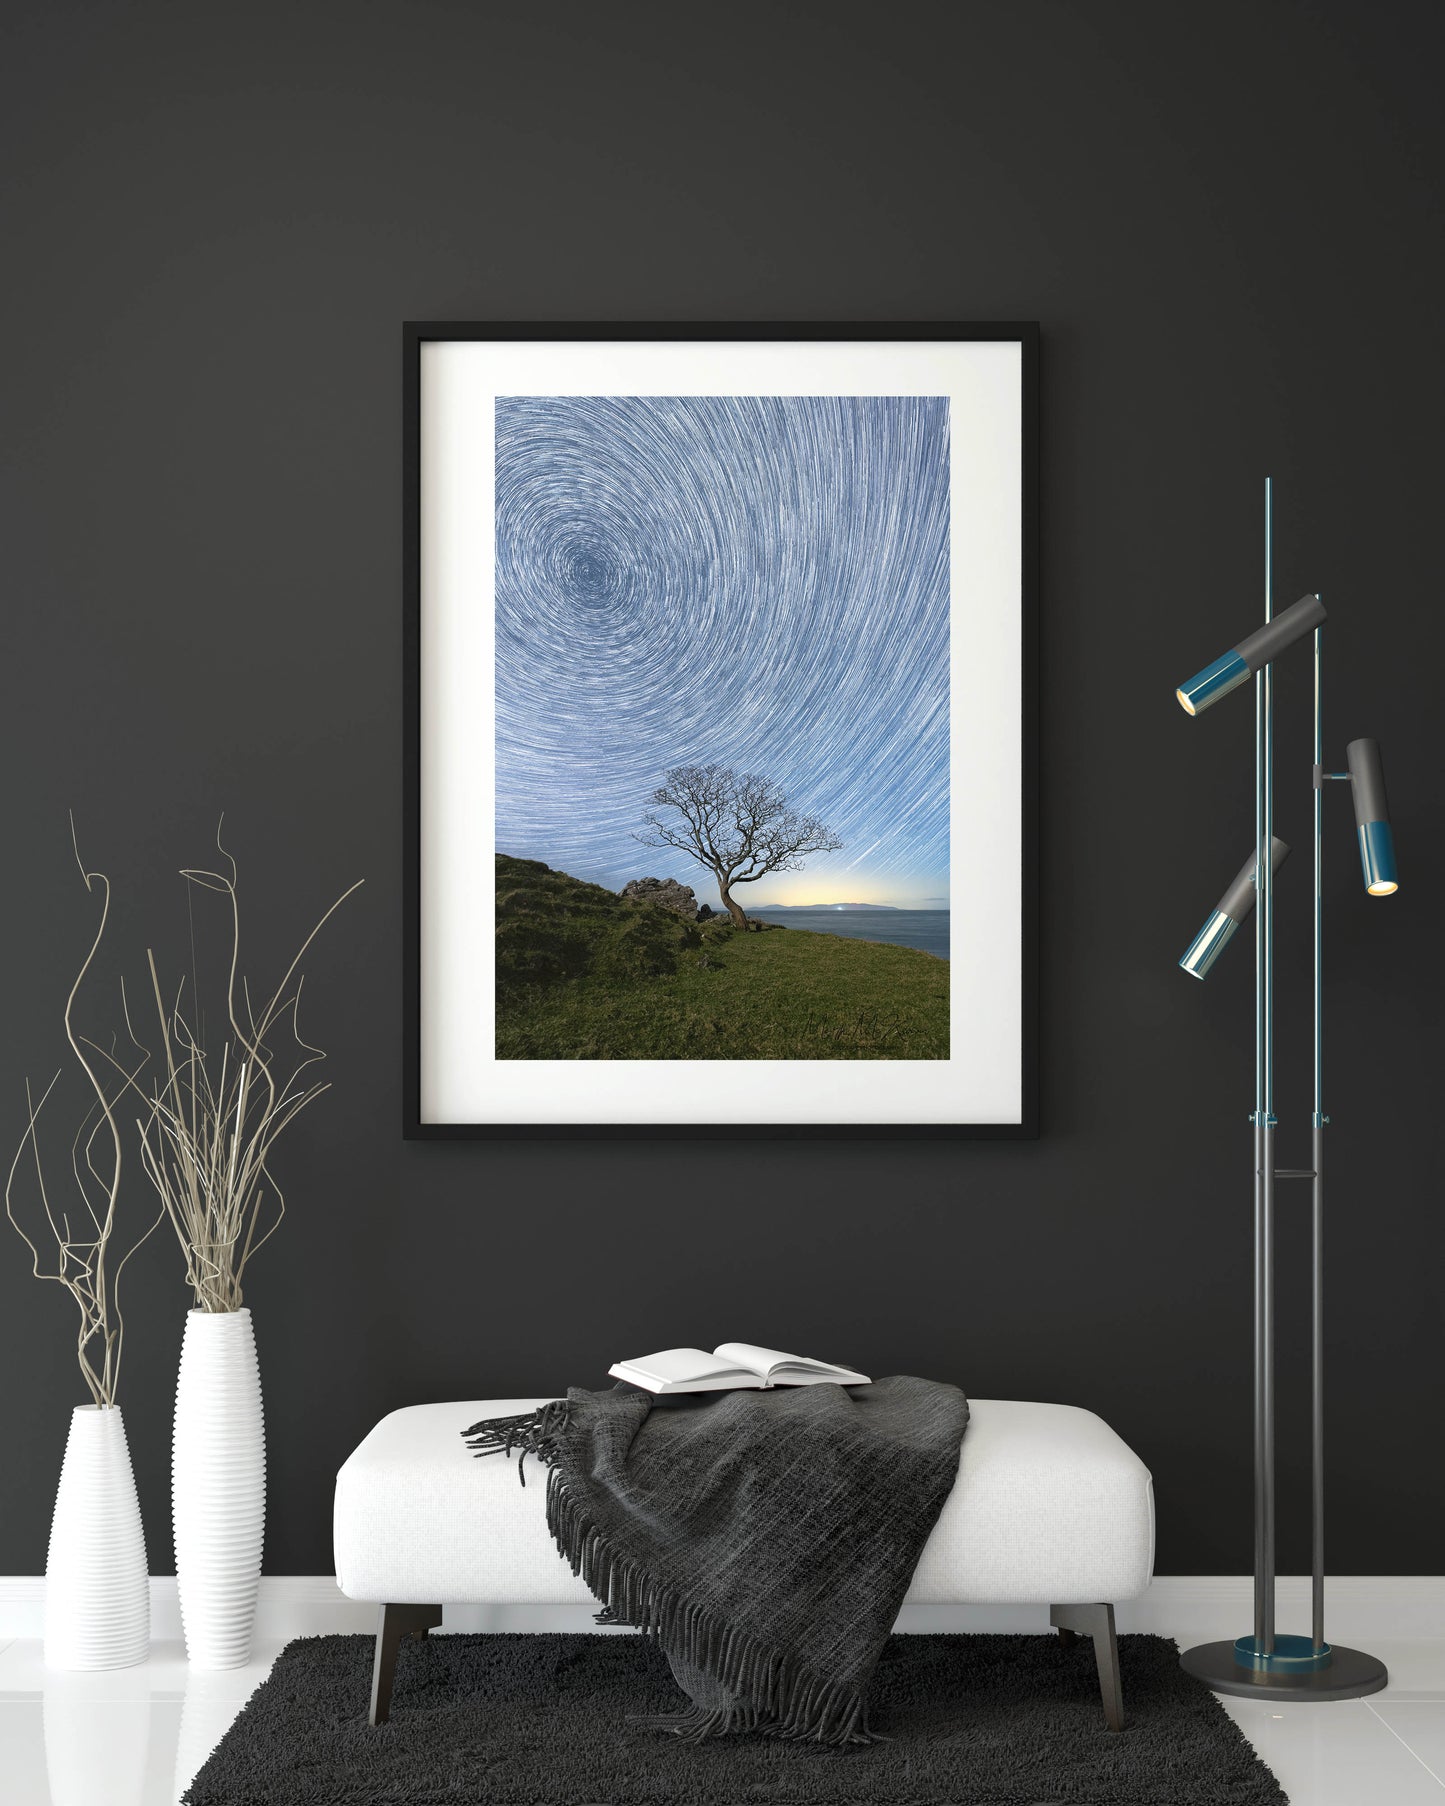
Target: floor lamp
<point>1266,1664</point>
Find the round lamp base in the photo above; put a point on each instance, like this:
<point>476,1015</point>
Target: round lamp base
<point>1294,1673</point>
<point>1290,1655</point>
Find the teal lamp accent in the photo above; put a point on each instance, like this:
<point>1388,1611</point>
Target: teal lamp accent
<point>1226,673</point>
<point>1377,856</point>
<point>1266,1664</point>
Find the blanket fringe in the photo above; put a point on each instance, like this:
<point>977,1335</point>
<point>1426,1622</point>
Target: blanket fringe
<point>532,1433</point>
<point>768,1693</point>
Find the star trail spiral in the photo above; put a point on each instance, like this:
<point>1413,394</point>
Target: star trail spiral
<point>760,582</point>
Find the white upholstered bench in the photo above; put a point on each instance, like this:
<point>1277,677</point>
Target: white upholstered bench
<point>1050,1507</point>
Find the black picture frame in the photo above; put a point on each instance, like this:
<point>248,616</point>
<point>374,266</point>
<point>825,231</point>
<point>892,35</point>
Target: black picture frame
<point>416,334</point>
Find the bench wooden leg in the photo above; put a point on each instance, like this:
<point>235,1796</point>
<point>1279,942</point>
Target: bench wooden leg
<point>393,1623</point>
<point>1096,1621</point>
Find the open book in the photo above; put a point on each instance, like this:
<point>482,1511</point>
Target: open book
<point>730,1367</point>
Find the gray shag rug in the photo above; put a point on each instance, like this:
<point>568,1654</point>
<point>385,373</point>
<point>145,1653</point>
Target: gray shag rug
<point>543,1720</point>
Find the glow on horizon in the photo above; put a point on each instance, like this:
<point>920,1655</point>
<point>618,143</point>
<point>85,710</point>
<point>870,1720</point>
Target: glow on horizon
<point>848,903</point>
<point>802,895</point>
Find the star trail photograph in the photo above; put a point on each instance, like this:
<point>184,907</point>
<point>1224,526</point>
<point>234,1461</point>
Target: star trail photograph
<point>722,727</point>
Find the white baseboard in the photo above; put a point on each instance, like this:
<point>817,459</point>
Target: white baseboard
<point>1359,1609</point>
<point>290,1605</point>
<point>1198,1608</point>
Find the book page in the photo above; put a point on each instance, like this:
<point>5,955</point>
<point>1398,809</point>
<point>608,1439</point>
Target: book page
<point>678,1366</point>
<point>760,1361</point>
<point>770,1361</point>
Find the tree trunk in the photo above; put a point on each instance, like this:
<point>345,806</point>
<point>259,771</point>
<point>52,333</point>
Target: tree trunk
<point>734,908</point>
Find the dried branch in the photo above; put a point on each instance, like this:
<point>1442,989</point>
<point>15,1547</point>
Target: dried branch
<point>81,1262</point>
<point>210,1122</point>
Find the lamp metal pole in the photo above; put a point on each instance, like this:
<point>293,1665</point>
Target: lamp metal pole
<point>1264,1121</point>
<point>1317,1199</point>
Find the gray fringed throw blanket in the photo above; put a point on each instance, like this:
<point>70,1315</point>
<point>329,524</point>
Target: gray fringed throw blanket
<point>765,1538</point>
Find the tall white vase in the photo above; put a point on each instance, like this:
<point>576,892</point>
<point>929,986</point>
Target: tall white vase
<point>218,1486</point>
<point>97,1592</point>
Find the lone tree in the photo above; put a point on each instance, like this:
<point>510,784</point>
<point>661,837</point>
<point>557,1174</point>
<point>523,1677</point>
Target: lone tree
<point>739,826</point>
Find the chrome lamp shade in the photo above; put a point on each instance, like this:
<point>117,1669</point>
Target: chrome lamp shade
<point>1252,654</point>
<point>1227,673</point>
<point>1372,818</point>
<point>1233,908</point>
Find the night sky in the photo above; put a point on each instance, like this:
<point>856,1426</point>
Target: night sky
<point>759,582</point>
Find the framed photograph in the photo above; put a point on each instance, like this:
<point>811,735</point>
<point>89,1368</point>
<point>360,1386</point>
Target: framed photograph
<point>721,654</point>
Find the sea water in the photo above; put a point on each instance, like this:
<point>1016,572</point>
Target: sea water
<point>925,929</point>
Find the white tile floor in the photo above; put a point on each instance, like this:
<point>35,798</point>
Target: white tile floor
<point>135,1737</point>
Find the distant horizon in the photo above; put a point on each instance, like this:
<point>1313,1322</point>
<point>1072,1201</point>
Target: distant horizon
<point>701,885</point>
<point>914,909</point>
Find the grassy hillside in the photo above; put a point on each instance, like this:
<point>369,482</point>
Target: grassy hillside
<point>582,975</point>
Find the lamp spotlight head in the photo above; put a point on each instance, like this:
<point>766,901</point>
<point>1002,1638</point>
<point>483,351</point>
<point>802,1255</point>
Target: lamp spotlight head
<point>1372,817</point>
<point>1232,908</point>
<point>1232,668</point>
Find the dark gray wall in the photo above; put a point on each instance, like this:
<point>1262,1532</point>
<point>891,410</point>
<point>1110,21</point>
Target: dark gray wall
<point>1227,220</point>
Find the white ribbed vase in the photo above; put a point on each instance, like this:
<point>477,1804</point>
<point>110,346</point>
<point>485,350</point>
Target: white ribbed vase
<point>218,1486</point>
<point>97,1593</point>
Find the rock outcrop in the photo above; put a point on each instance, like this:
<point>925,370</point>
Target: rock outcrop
<point>662,893</point>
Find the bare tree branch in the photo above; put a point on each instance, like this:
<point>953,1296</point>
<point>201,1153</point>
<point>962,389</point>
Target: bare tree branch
<point>738,826</point>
